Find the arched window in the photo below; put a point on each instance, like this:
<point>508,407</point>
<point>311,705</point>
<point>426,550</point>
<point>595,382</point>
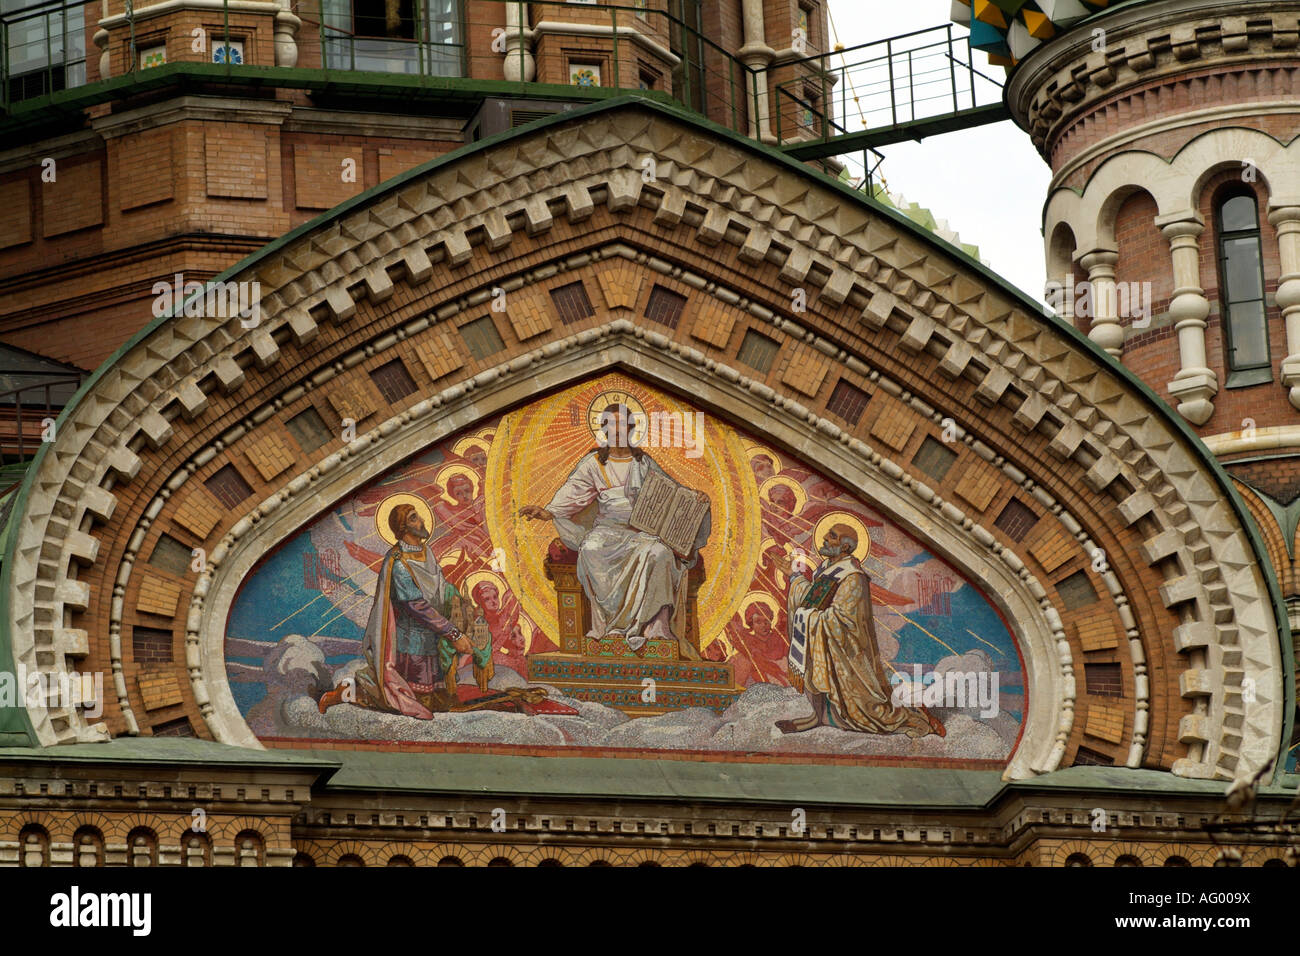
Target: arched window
<point>1127,860</point>
<point>350,859</point>
<point>1176,861</point>
<point>1241,288</point>
<point>1077,859</point>
<point>400,860</point>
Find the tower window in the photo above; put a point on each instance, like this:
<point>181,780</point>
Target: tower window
<point>1241,285</point>
<point>393,36</point>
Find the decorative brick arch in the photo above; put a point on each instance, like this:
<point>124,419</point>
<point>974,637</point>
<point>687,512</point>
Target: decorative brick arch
<point>1041,415</point>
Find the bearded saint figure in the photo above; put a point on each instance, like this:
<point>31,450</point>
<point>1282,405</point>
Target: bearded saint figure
<point>412,642</point>
<point>834,657</point>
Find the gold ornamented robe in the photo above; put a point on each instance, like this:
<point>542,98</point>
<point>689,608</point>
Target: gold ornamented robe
<point>833,646</point>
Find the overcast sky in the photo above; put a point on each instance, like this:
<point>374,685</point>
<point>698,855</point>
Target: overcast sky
<point>988,182</point>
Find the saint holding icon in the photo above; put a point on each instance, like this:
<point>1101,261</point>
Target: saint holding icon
<point>419,626</point>
<point>834,655</point>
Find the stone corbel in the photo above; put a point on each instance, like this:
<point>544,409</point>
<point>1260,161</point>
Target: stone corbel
<point>1286,219</point>
<point>1195,385</point>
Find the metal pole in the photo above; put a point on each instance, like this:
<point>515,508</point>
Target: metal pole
<point>613,21</point>
<point>952,71</point>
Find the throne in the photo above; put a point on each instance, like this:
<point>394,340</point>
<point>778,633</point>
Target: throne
<point>573,610</point>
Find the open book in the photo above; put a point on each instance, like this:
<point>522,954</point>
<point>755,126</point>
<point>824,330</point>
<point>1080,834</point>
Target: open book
<point>670,511</point>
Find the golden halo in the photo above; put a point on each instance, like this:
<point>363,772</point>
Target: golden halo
<point>392,501</point>
<point>473,441</point>
<point>854,522</point>
<point>478,577</point>
<point>451,470</point>
<point>526,629</point>
<point>753,451</point>
<point>800,496</point>
<point>757,597</point>
<point>639,419</point>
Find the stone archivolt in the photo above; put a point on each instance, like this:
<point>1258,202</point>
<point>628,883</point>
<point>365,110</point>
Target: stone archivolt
<point>896,312</point>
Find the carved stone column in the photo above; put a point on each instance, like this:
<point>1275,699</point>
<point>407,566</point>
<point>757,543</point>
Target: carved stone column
<point>756,54</point>
<point>1286,219</point>
<point>520,64</point>
<point>1195,385</point>
<point>1106,330</point>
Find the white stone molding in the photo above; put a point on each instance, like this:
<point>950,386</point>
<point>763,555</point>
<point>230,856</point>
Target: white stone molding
<point>1068,76</point>
<point>1286,219</point>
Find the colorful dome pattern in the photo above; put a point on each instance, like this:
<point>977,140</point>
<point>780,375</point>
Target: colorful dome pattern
<point>1008,30</point>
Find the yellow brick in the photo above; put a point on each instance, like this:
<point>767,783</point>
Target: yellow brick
<point>1105,723</point>
<point>1096,633</point>
<point>158,596</point>
<point>893,426</point>
<point>270,455</point>
<point>806,370</point>
<point>439,356</point>
<point>1052,550</point>
<point>353,400</point>
<point>713,324</point>
<point>159,690</point>
<point>977,486</point>
<point>620,285</point>
<point>198,513</point>
<point>528,319</point>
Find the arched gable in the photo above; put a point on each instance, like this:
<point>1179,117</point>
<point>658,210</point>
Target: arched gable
<point>1126,504</point>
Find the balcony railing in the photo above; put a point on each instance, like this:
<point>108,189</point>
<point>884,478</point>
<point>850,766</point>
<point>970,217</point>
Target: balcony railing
<point>27,412</point>
<point>815,106</point>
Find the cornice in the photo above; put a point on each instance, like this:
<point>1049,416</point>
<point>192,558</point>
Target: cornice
<point>1066,78</point>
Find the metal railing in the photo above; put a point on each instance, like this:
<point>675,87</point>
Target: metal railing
<point>925,74</point>
<point>24,412</point>
<point>818,98</point>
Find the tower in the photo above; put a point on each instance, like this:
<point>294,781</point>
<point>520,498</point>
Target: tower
<point>1172,222</point>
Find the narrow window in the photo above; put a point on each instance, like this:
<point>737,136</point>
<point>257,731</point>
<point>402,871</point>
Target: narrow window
<point>665,306</point>
<point>847,402</point>
<point>1241,286</point>
<point>393,381</point>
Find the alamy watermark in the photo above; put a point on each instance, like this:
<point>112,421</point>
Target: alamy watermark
<point>654,430</point>
<point>1132,300</point>
<point>218,300</point>
<point>957,689</point>
<point>66,689</point>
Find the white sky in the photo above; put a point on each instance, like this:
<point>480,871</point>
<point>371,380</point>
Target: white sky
<point>988,182</point>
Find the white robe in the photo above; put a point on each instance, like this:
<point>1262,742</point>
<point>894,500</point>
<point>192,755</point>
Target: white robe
<point>631,578</point>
